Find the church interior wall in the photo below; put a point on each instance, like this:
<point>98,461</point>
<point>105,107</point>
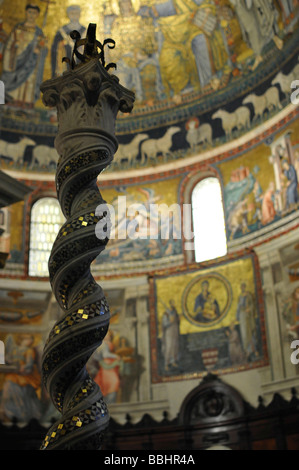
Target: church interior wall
<point>147,280</point>
<point>137,309</point>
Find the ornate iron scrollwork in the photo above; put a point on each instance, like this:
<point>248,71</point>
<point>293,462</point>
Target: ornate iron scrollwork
<point>91,46</point>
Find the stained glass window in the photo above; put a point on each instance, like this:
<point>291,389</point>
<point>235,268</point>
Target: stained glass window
<point>208,220</point>
<point>46,220</point>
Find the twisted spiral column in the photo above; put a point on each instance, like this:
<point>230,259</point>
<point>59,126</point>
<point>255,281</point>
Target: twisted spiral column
<point>87,99</point>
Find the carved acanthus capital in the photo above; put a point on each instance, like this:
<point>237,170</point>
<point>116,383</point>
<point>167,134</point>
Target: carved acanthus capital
<point>87,96</point>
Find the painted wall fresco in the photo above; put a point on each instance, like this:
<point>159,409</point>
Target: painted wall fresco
<point>21,308</point>
<point>140,233</point>
<point>21,390</point>
<point>13,238</point>
<point>204,72</point>
<point>260,187</point>
<point>22,320</point>
<point>115,366</point>
<point>290,314</point>
<point>260,193</point>
<point>146,229</point>
<point>207,320</point>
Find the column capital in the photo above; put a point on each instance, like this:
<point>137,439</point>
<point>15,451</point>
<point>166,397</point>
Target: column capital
<point>87,97</point>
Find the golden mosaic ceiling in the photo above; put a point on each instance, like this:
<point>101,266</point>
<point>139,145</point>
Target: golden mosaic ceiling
<point>188,61</point>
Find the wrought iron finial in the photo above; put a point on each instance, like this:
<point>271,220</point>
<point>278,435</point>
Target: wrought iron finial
<point>91,46</point>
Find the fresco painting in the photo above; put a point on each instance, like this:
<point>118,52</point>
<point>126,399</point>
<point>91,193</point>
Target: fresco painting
<point>260,187</point>
<point>288,303</point>
<point>16,233</point>
<point>4,230</point>
<point>11,226</point>
<point>19,307</point>
<point>20,378</point>
<point>207,320</point>
<point>22,325</point>
<point>140,233</point>
<point>290,314</point>
<point>114,366</point>
<point>20,314</point>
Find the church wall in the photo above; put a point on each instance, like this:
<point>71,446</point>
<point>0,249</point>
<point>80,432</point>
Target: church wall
<point>176,135</point>
<point>140,280</point>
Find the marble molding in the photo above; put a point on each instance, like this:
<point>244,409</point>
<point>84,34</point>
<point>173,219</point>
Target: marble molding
<point>87,99</point>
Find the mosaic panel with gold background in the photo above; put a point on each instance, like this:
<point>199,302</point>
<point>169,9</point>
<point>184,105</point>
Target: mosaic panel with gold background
<point>207,320</point>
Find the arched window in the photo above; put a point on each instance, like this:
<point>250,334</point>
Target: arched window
<point>46,220</point>
<point>208,220</point>
<point>2,353</point>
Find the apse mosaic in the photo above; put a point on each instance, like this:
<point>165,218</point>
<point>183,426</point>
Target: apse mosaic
<point>207,320</point>
<point>260,186</point>
<point>21,384</point>
<point>203,71</point>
